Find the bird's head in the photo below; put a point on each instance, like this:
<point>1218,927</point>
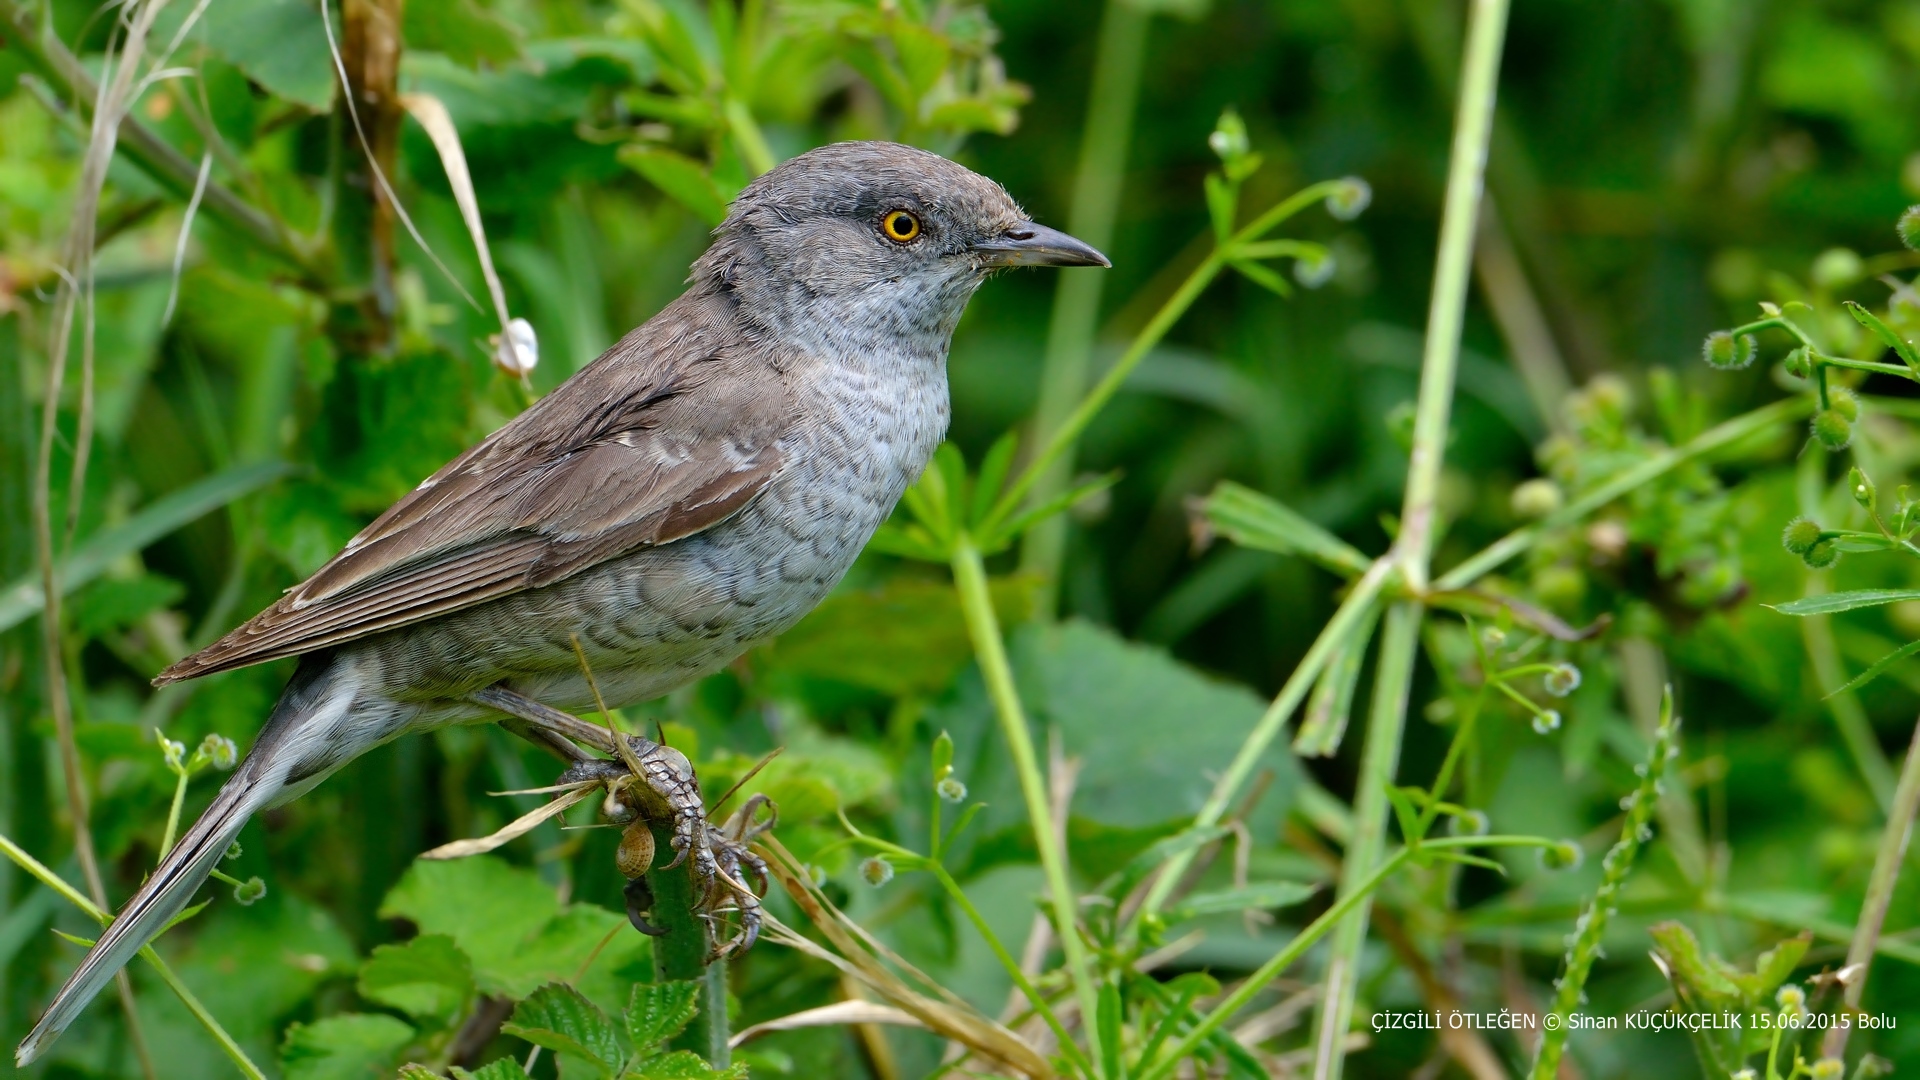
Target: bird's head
<point>874,237</point>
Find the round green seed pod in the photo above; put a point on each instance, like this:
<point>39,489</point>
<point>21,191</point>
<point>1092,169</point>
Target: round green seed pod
<point>1845,402</point>
<point>1832,429</point>
<point>1909,227</point>
<point>1800,536</point>
<point>1822,555</point>
<point>1726,352</point>
<point>1797,364</point>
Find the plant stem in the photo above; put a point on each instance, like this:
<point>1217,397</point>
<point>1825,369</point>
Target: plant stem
<point>1413,549</point>
<point>680,953</point>
<point>1886,874</point>
<point>976,603</point>
<point>78,899</point>
<point>1247,759</point>
<point>1386,722</point>
<point>173,815</point>
<point>1304,940</point>
<point>1076,303</point>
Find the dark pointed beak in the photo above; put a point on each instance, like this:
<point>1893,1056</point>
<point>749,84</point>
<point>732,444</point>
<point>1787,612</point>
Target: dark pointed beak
<point>1028,244</point>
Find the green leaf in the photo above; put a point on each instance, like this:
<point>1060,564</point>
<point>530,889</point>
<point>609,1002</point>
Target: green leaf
<point>660,1011</point>
<point>560,1019</point>
<point>279,44</point>
<point>465,32</point>
<point>110,604</point>
<point>1901,346</point>
<point>1831,603</point>
<point>1138,867</point>
<point>905,637</point>
<point>23,599</point>
<point>1264,276</point>
<point>923,55</point>
<point>351,1046</point>
<point>1007,533</point>
<point>993,475</point>
<point>488,907</point>
<point>504,1069</point>
<point>1253,520</point>
<point>1408,814</point>
<point>1221,198</point>
<point>1691,970</point>
<point>428,977</point>
<point>684,1065</point>
<point>1324,723</point>
<point>1878,669</point>
<point>1776,965</point>
<point>681,178</point>
<point>1264,896</point>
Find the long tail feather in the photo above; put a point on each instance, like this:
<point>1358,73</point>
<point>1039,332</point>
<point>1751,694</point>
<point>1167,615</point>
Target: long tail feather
<point>255,784</point>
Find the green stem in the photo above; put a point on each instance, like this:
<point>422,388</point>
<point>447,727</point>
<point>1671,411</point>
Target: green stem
<point>976,603</point>
<point>1386,722</point>
<point>173,814</point>
<point>680,954</point>
<point>73,896</point>
<point>1305,939</point>
<point>1118,60</point>
<point>1716,438</point>
<point>1245,762</point>
<point>1886,874</point>
<point>1413,549</point>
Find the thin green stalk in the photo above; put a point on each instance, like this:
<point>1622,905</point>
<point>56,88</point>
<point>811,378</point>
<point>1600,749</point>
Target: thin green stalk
<point>1849,716</point>
<point>1592,925</point>
<point>1413,549</point>
<point>976,603</point>
<point>1118,60</point>
<point>1718,437</point>
<point>173,814</point>
<point>1247,760</point>
<point>1886,874</point>
<point>1386,723</point>
<point>1305,939</point>
<point>681,954</point>
<point>1041,1006</point>
<point>78,899</point>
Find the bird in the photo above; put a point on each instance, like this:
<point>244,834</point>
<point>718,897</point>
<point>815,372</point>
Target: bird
<point>694,491</point>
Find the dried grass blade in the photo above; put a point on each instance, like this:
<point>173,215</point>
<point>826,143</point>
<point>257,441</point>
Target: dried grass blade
<point>837,1014</point>
<point>513,830</point>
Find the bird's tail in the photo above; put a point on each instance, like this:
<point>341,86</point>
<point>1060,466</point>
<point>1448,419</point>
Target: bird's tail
<point>260,778</point>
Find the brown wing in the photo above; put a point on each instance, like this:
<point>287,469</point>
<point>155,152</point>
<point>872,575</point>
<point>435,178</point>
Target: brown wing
<point>669,433</point>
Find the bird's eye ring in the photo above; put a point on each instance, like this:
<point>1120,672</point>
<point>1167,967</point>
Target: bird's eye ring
<point>900,227</point>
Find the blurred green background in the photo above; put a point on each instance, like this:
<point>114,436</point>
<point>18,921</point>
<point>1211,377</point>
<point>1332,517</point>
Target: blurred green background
<point>1658,167</point>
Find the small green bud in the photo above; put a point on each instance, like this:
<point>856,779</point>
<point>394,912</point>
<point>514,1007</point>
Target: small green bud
<point>1564,679</point>
<point>1909,227</point>
<point>175,753</point>
<point>249,891</point>
<point>1726,352</point>
<point>1564,855</point>
<point>1798,364</point>
<point>1229,139</point>
<point>219,750</point>
<point>1860,487</point>
<point>1349,199</point>
<point>1845,402</point>
<point>1469,823</point>
<point>875,870</point>
<point>1832,429</point>
<point>1536,498</point>
<point>1493,638</point>
<point>1821,555</point>
<point>1546,721</point>
<point>1836,268</point>
<point>233,850</point>
<point>1313,271</point>
<point>1800,536</point>
<point>1827,1069</point>
<point>951,790</point>
<point>1791,998</point>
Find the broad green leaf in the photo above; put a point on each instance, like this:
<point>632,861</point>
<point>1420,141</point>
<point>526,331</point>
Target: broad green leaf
<point>504,1069</point>
<point>23,598</point>
<point>923,55</point>
<point>560,1019</point>
<point>1901,346</point>
<point>465,32</point>
<point>428,977</point>
<point>659,1011</point>
<point>112,603</point>
<point>681,178</point>
<point>905,637</point>
<point>351,1046</point>
<point>1831,603</point>
<point>1264,896</point>
<point>279,44</point>
<point>684,1065</point>
<point>1691,969</point>
<point>488,907</point>
<point>1253,520</point>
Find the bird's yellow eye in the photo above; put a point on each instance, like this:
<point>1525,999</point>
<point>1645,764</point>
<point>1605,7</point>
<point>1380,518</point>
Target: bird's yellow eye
<point>900,226</point>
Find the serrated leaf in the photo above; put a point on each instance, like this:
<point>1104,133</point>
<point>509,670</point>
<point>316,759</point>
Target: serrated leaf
<point>559,1018</point>
<point>1254,520</point>
<point>1263,896</point>
<point>680,178</point>
<point>504,1069</point>
<point>428,977</point>
<point>1901,346</point>
<point>351,1046</point>
<point>659,1011</point>
<point>1831,603</point>
<point>684,1065</point>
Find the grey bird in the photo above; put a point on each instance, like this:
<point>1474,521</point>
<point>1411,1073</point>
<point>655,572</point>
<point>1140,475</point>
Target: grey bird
<point>695,490</point>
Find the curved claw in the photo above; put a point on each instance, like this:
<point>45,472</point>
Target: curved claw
<point>639,901</point>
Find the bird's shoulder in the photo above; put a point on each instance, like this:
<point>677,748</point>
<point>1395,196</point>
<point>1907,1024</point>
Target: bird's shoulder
<point>671,431</point>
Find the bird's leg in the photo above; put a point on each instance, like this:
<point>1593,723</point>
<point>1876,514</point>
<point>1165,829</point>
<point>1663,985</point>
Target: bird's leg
<point>564,749</point>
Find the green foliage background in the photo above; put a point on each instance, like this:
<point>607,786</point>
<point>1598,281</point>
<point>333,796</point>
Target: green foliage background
<point>1658,166</point>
